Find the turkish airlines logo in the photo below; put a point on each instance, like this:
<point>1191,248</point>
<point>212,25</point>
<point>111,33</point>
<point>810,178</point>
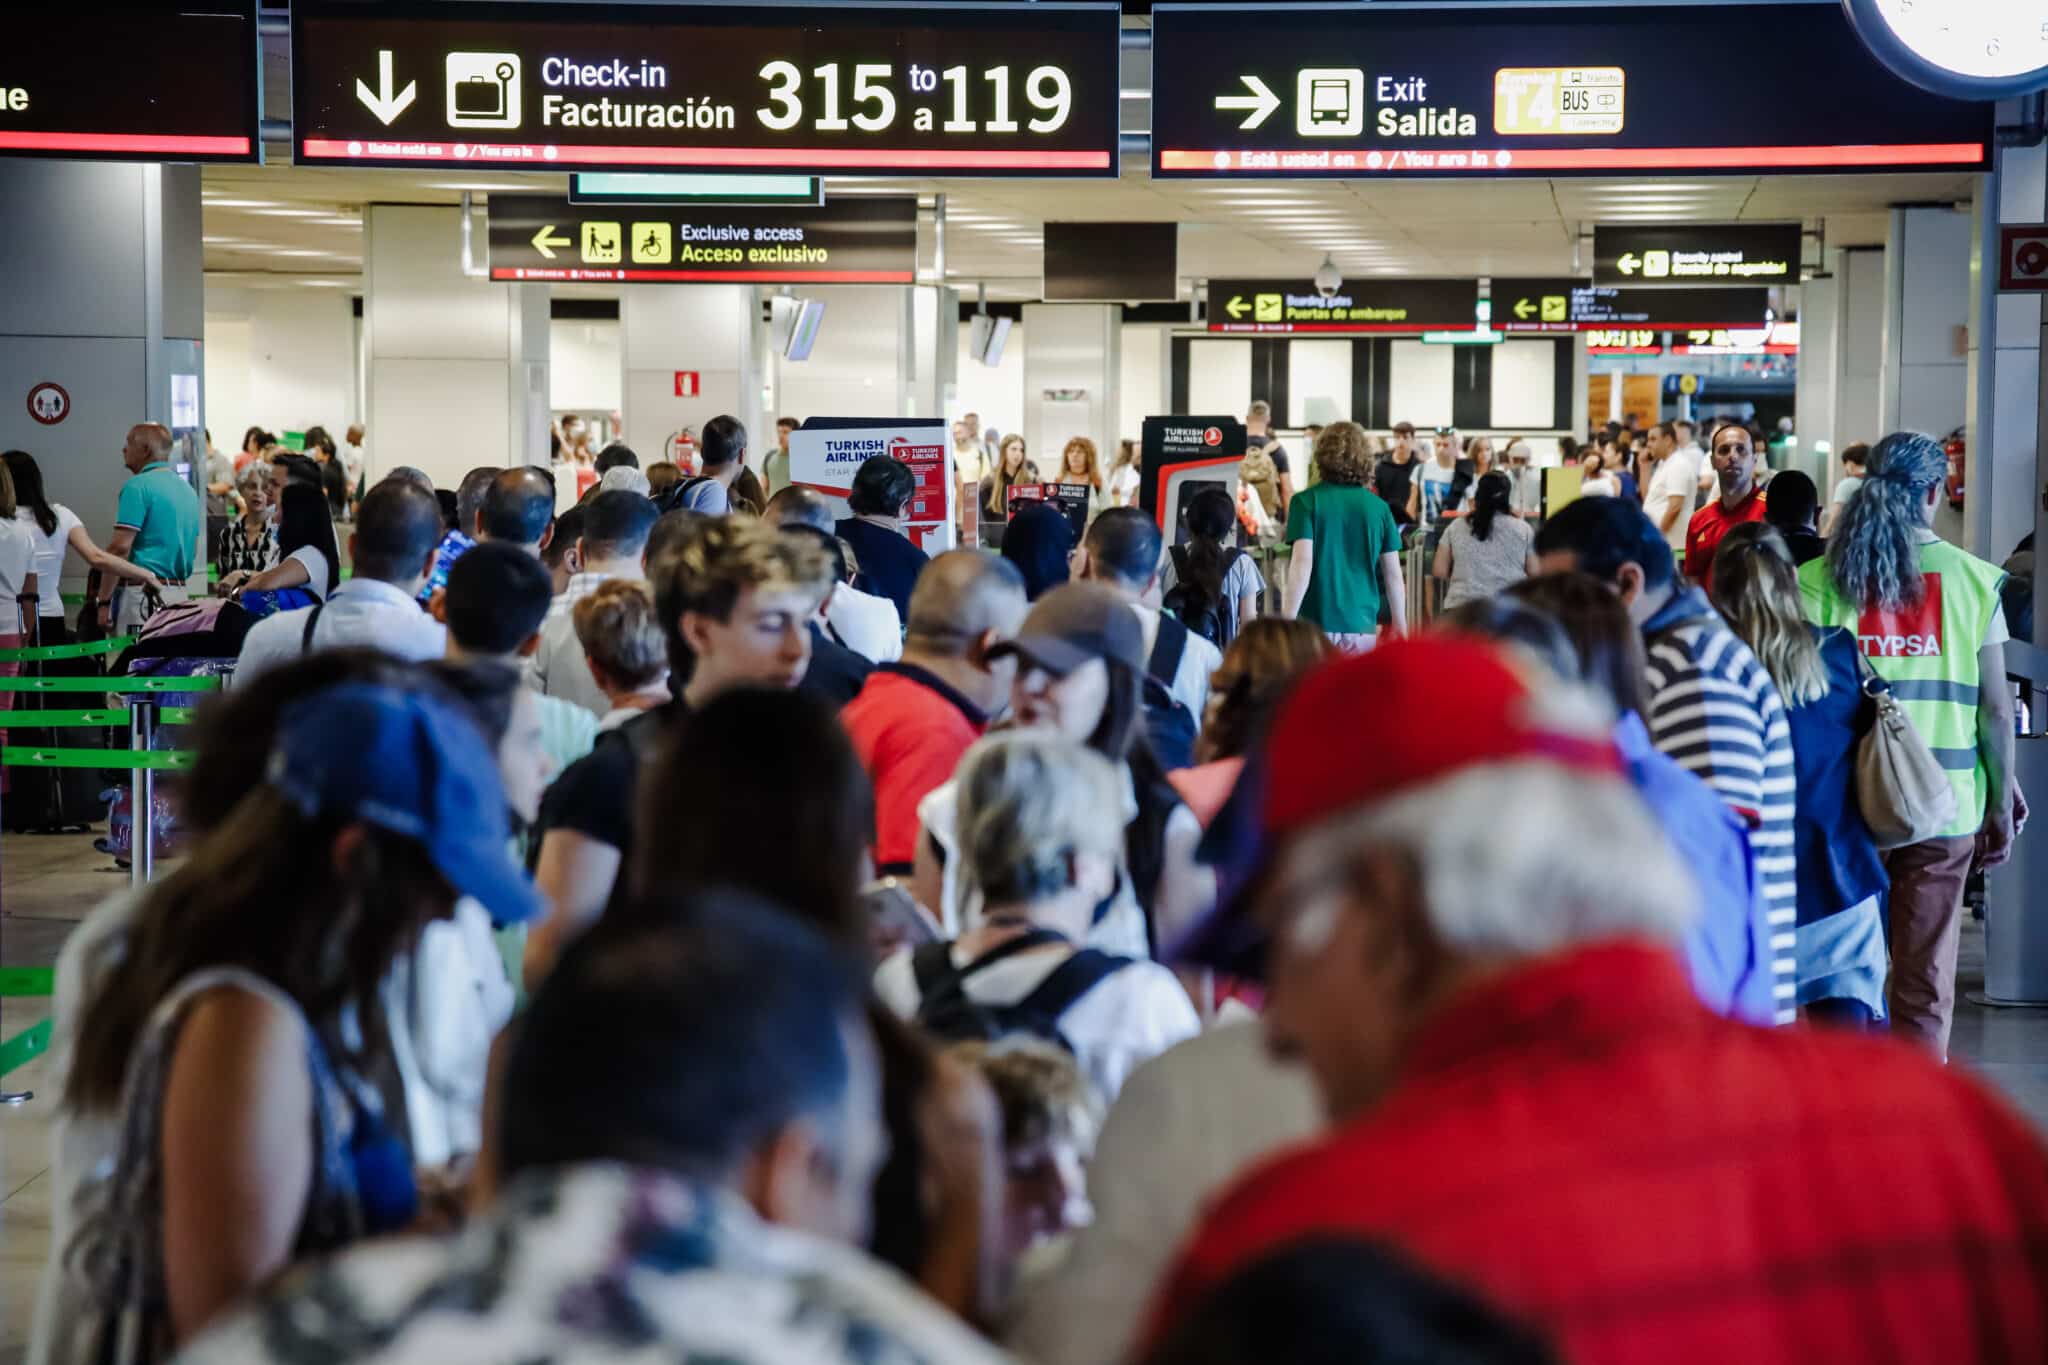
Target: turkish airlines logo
<point>1910,632</point>
<point>1213,436</point>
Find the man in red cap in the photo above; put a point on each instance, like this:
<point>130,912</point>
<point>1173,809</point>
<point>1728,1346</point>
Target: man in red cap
<point>1527,1097</point>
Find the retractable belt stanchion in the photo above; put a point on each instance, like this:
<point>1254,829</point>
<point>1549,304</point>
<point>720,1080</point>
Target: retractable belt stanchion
<point>142,719</point>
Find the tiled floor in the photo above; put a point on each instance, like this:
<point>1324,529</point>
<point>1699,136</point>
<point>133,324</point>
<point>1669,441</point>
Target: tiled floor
<point>48,883</point>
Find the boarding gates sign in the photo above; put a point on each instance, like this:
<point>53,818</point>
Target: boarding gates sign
<point>825,454</point>
<point>817,89</point>
<point>1373,304</point>
<point>187,91</point>
<point>1362,91</point>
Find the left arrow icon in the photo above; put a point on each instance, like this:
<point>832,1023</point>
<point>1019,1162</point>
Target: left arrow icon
<point>545,241</point>
<point>1261,102</point>
<point>381,102</point>
<point>1523,308</point>
<point>1236,307</point>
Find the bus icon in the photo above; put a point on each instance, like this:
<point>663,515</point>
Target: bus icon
<point>1329,101</point>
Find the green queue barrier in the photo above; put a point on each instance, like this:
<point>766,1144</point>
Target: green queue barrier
<point>25,1047</point>
<point>121,686</point>
<point>91,649</point>
<point>27,981</point>
<point>60,720</point>
<point>125,760</point>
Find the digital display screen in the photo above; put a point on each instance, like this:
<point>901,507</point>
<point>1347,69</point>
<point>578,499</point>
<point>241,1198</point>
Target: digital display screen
<point>1697,253</point>
<point>1368,305</point>
<point>1575,306</point>
<point>815,89</point>
<point>1127,262</point>
<point>853,241</point>
<point>1419,90</point>
<point>190,97</point>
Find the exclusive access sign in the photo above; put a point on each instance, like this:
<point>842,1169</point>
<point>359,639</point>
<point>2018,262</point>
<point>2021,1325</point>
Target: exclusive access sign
<point>852,241</point>
<point>886,87</point>
<point>1697,253</point>
<point>1374,305</point>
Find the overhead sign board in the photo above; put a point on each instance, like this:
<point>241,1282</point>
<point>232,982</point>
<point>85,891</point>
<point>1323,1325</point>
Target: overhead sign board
<point>1564,305</point>
<point>190,96</point>
<point>1367,305</point>
<point>1491,89</point>
<point>907,89</point>
<point>1697,253</point>
<point>852,241</point>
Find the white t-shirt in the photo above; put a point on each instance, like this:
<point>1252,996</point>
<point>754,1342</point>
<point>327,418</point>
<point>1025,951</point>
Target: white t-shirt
<point>969,464</point>
<point>315,562</point>
<point>1846,489</point>
<point>868,625</point>
<point>1123,486</point>
<point>17,562</point>
<point>1676,477</point>
<point>1199,660</point>
<point>49,555</point>
<point>1603,486</point>
<point>1129,1017</point>
<point>1436,489</point>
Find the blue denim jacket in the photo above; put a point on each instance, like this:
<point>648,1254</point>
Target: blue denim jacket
<point>1727,951</point>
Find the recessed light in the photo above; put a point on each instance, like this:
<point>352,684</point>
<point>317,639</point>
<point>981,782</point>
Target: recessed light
<point>291,213</point>
<point>240,203</point>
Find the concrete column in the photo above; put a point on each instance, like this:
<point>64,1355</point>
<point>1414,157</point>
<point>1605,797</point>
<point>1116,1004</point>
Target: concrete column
<point>449,377</point>
<point>1927,321</point>
<point>1071,346</point>
<point>2004,476</point>
<point>101,293</point>
<point>702,329</point>
<point>1860,345</point>
<point>1815,396</point>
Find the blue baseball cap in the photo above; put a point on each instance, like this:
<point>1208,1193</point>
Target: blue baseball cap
<point>413,765</point>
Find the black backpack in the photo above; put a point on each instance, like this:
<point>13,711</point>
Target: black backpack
<point>947,1012</point>
<point>1201,611</point>
<point>1168,722</point>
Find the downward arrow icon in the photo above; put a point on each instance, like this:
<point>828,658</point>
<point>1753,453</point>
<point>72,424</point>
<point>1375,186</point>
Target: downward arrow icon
<point>381,101</point>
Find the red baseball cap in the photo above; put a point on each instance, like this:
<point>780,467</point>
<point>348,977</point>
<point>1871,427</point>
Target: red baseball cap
<point>1367,726</point>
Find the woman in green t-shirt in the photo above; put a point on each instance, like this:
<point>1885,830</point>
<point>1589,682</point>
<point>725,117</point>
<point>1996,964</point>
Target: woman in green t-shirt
<point>1346,547</point>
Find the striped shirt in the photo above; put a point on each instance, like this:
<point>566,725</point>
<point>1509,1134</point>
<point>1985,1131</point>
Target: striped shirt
<point>1716,712</point>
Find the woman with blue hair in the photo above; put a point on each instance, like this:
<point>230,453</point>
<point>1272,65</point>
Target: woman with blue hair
<point>1927,618</point>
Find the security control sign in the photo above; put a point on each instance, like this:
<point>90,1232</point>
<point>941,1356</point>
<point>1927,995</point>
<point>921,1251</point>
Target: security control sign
<point>189,94</point>
<point>899,88</point>
<point>1492,89</point>
<point>1564,305</point>
<point>1697,253</point>
<point>853,241</point>
<point>1369,305</point>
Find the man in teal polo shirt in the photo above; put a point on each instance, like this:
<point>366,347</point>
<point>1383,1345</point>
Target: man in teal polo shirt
<point>156,525</point>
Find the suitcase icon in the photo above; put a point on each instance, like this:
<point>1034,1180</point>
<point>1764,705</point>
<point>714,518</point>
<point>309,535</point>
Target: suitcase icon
<point>483,89</point>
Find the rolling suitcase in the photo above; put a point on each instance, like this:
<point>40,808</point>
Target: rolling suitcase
<point>56,800</point>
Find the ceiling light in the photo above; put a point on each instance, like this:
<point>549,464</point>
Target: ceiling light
<point>485,185</point>
<point>240,203</point>
<point>292,213</point>
<point>297,251</point>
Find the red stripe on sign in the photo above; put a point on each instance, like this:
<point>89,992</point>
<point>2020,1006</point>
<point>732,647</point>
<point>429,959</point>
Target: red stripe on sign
<point>531,273</point>
<point>543,156</point>
<point>1355,161</point>
<point>166,143</point>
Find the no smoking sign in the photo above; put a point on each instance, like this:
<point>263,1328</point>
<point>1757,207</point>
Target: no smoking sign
<point>48,403</point>
<point>2023,258</point>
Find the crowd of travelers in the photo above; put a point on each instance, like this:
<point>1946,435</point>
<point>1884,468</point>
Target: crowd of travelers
<point>700,922</point>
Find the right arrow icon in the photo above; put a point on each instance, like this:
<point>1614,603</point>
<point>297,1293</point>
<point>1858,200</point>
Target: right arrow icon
<point>1261,102</point>
<point>381,102</point>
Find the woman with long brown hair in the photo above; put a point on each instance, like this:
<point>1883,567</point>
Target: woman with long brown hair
<point>1012,467</point>
<point>1266,659</point>
<point>1841,952</point>
<point>237,1033</point>
<point>1079,463</point>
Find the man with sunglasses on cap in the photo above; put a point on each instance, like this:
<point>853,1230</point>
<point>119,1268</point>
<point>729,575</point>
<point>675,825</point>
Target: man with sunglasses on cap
<point>1526,1094</point>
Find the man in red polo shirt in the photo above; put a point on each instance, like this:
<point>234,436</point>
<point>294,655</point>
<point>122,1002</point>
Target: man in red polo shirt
<point>1525,1095</point>
<point>914,718</point>
<point>1732,451</point>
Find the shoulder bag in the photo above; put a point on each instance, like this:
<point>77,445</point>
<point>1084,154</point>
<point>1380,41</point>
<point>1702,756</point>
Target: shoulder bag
<point>1904,792</point>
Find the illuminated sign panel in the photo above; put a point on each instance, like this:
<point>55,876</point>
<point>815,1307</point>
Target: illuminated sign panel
<point>1697,253</point>
<point>1441,89</point>
<point>191,95</point>
<point>1371,305</point>
<point>854,241</point>
<point>813,89</point>
<point>1564,305</point>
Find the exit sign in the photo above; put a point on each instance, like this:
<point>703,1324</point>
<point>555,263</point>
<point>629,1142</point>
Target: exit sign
<point>687,383</point>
